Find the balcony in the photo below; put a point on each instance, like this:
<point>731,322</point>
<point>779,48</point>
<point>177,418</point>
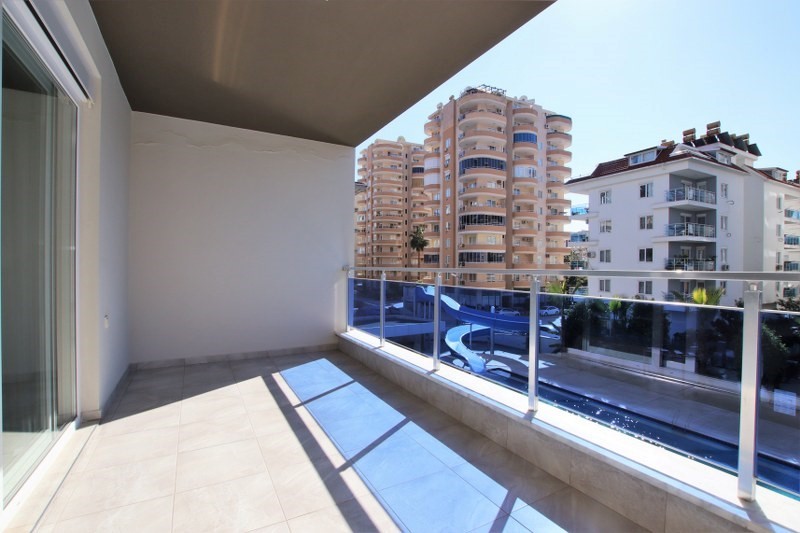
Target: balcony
<point>791,266</point>
<point>687,231</point>
<point>790,292</point>
<point>680,263</point>
<point>690,198</point>
<point>791,240</point>
<point>792,215</point>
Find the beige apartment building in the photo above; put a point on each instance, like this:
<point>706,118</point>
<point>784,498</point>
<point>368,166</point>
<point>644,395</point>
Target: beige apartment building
<point>487,185</point>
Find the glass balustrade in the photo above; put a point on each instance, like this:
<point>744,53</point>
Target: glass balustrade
<point>668,372</point>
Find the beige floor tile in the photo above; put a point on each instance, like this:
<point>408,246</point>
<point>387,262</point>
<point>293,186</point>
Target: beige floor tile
<point>152,516</point>
<point>263,401</point>
<point>107,488</point>
<point>281,527</point>
<point>224,462</point>
<point>306,487</point>
<point>204,434</point>
<point>243,504</point>
<point>362,514</point>
<point>159,417</point>
<point>207,409</point>
<point>132,447</point>
<point>270,422</point>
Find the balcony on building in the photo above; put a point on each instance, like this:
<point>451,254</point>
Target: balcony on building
<point>689,198</point>
<point>791,240</point>
<point>792,216</point>
<point>687,231</point>
<point>561,123</point>
<point>685,263</point>
<point>791,266</point>
<point>220,388</point>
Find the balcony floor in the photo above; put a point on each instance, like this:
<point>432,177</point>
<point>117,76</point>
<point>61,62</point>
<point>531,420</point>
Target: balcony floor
<point>301,443</point>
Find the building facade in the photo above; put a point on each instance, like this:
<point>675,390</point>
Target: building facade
<point>488,188</point>
<point>389,200</point>
<point>697,205</point>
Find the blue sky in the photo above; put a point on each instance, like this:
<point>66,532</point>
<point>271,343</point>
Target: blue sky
<point>633,72</point>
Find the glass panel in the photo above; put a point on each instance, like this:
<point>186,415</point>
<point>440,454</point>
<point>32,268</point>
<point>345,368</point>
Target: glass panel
<point>779,412</point>
<point>38,243</point>
<point>409,315</point>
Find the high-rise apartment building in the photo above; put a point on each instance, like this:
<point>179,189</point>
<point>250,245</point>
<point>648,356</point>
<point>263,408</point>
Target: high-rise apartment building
<point>488,189</point>
<point>389,199</point>
<point>697,205</point>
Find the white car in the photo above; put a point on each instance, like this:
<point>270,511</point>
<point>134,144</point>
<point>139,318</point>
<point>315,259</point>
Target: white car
<point>509,312</point>
<point>549,311</point>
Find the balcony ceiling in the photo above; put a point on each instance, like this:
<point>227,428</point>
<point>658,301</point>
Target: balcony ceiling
<point>333,71</point>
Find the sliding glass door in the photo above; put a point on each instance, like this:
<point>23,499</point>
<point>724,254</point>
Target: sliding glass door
<point>37,256</point>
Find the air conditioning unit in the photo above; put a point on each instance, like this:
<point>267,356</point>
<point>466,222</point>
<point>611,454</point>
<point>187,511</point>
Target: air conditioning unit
<point>725,267</point>
<point>778,267</point>
<point>591,254</point>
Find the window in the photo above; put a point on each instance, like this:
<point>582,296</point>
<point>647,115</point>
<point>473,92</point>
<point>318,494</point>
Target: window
<point>447,209</point>
<point>478,162</point>
<point>525,138</point>
<point>723,222</point>
<point>605,226</point>
<point>605,256</point>
<point>646,255</point>
<point>447,243</point>
<point>605,197</point>
<point>605,285</point>
<point>780,202</point>
<point>447,176</point>
<point>447,143</point>
<point>642,157</point>
<point>447,160</point>
<point>645,287</point>
<point>723,190</point>
<point>490,278</point>
<point>723,255</point>
<point>779,230</point>
<point>447,193</point>
<point>646,190</point>
<point>646,222</point>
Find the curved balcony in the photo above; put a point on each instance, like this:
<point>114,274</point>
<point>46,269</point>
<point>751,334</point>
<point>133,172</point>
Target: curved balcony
<point>480,134</point>
<point>478,172</point>
<point>388,254</point>
<point>388,159</point>
<point>482,228</point>
<point>397,230</point>
<point>524,214</point>
<point>525,161</point>
<point>560,169</point>
<point>525,180</point>
<point>557,266</point>
<point>523,249</point>
<point>433,141</point>
<point>526,113</point>
<point>471,192</point>
<point>476,152</point>
<point>561,217</point>
<point>420,209</point>
<point>559,233</point>
<point>379,193</point>
<point>559,122</point>
<point>525,198</point>
<point>481,247</point>
<point>472,118</point>
<point>432,126</point>
<point>555,183</point>
<point>524,128</point>
<point>386,171</point>
<point>432,186</point>
<point>482,209</point>
<point>480,96</point>
<point>559,202</point>
<point>483,283</point>
<point>430,202</point>
<point>525,231</point>
<point>559,154</point>
<point>386,180</point>
<point>362,171</point>
<point>361,160</point>
<point>388,218</point>
<point>560,139</point>
<point>526,150</point>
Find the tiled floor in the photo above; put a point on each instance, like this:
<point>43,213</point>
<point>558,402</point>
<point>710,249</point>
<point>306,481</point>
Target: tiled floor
<point>313,442</point>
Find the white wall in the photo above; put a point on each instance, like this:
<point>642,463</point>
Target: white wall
<point>103,167</point>
<point>237,239</point>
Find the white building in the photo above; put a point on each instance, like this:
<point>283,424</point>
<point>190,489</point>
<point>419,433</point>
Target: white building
<point>696,205</point>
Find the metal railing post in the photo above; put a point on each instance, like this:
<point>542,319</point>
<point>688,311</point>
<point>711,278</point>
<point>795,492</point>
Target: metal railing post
<point>533,347</point>
<point>349,312</point>
<point>751,386</point>
<point>437,289</point>
<point>383,309</point>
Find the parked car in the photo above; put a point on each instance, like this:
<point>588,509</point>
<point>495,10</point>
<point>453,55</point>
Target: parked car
<point>549,310</point>
<point>509,312</point>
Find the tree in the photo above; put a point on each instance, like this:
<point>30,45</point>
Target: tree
<point>701,296</point>
<point>789,304</point>
<point>418,244</point>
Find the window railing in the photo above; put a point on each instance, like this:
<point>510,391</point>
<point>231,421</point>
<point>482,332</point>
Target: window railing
<point>602,356</point>
<point>791,240</point>
<point>692,194</point>
<point>682,263</point>
<point>792,213</point>
<point>791,266</point>
<point>690,229</point>
<point>580,210</point>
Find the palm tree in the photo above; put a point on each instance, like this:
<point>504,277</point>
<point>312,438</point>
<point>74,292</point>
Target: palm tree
<point>701,296</point>
<point>418,243</point>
